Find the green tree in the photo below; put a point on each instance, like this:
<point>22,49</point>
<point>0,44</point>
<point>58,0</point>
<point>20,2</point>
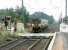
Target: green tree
<point>16,14</point>
<point>51,20</point>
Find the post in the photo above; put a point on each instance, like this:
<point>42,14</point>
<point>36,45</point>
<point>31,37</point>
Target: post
<point>23,14</point>
<point>22,11</point>
<point>65,8</point>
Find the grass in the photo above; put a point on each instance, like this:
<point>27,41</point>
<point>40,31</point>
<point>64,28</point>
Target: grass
<point>8,34</point>
<point>5,35</point>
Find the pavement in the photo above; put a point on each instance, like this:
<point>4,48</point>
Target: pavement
<point>61,42</point>
<point>65,35</point>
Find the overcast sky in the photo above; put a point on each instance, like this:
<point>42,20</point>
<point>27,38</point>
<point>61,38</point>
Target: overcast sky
<point>50,7</point>
<point>9,3</point>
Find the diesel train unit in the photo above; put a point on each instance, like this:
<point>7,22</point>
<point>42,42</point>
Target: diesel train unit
<point>36,25</point>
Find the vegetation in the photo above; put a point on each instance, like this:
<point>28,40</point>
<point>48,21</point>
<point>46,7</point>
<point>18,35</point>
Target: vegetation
<point>5,35</point>
<point>41,15</point>
<point>16,14</point>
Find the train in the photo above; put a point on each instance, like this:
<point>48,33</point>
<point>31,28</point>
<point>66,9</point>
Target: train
<point>37,26</point>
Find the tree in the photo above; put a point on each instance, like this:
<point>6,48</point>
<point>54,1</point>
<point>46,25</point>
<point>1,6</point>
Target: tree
<point>51,20</point>
<point>16,14</point>
<point>41,15</point>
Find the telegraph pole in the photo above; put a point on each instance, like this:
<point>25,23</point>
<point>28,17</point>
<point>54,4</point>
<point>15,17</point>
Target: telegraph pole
<point>65,8</point>
<point>22,16</point>
<point>22,11</point>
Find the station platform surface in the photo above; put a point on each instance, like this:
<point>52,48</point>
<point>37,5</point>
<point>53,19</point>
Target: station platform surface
<point>61,42</point>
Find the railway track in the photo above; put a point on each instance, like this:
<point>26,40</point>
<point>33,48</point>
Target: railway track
<point>30,43</point>
<point>42,45</point>
<point>26,45</point>
<point>12,44</point>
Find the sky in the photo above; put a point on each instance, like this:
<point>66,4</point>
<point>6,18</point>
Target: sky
<point>9,3</point>
<point>54,8</point>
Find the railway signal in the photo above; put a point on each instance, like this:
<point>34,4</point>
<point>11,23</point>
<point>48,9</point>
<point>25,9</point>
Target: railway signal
<point>7,21</point>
